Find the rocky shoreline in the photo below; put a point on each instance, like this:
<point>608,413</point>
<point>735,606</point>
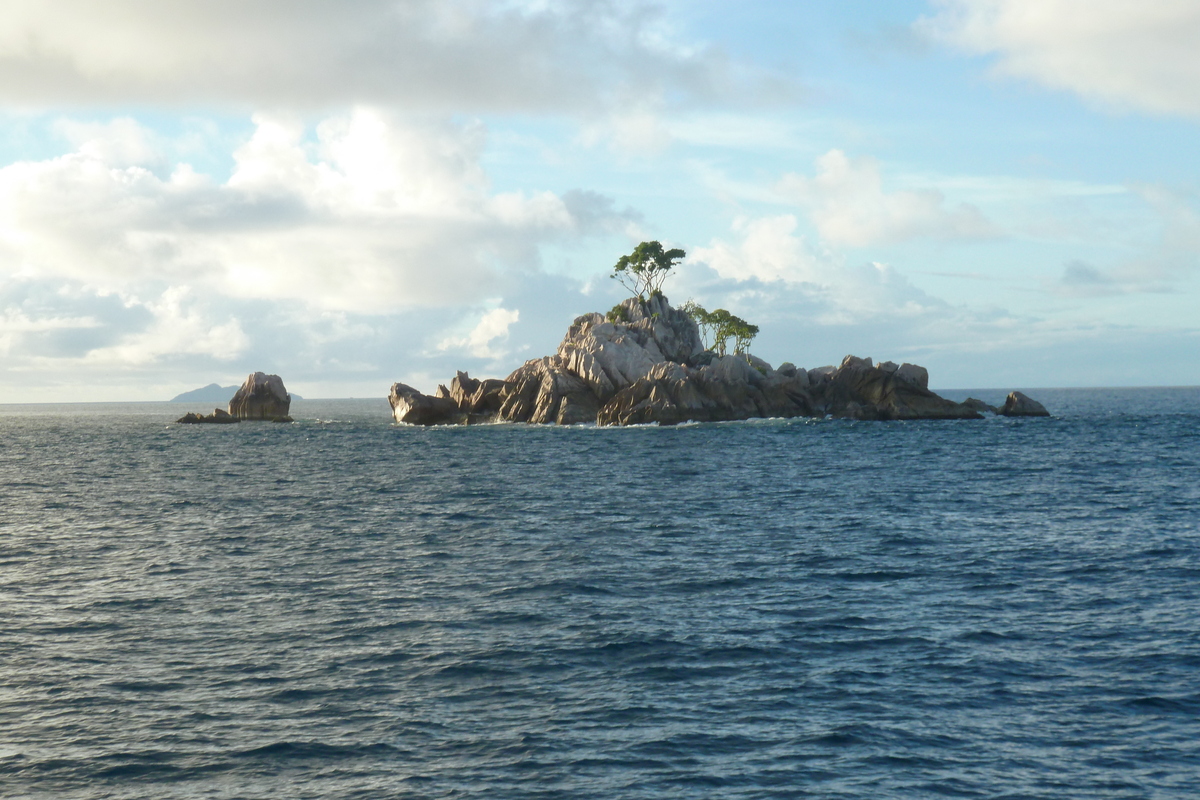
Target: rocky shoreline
<point>646,363</point>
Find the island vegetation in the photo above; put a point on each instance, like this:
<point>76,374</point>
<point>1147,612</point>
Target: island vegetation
<point>645,269</point>
<point>720,328</point>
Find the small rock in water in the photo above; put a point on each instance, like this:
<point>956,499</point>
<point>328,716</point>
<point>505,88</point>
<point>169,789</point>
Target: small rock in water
<point>1019,405</point>
<point>263,397</point>
<point>978,405</point>
<point>219,416</point>
<point>414,408</point>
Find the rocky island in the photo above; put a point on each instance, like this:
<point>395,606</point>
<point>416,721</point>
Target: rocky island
<point>261,397</point>
<point>645,362</point>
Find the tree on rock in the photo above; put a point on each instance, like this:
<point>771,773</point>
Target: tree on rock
<point>730,329</point>
<point>704,322</point>
<point>742,333</point>
<point>719,328</point>
<point>644,270</point>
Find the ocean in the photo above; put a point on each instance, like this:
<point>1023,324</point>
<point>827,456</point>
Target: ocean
<point>346,608</point>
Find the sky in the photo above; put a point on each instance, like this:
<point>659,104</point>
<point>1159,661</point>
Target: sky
<point>354,194</point>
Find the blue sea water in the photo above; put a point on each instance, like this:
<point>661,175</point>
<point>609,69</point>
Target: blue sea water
<point>345,608</point>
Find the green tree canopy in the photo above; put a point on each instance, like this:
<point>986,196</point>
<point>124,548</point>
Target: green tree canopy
<point>742,333</point>
<point>644,270</point>
<point>703,320</point>
<point>719,329</point>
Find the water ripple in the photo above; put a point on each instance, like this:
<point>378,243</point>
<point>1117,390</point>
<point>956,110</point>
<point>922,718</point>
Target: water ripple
<point>347,608</point>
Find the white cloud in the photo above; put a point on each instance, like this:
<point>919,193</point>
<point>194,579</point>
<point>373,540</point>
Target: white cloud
<point>1127,54</point>
<point>121,142</point>
<point>440,55</point>
<point>492,327</point>
<point>16,325</point>
<point>337,254</point>
<point>375,215</point>
<point>180,326</point>
<point>849,206</point>
<point>1160,268</point>
<point>768,250</point>
<point>813,309</point>
<point>767,260</point>
<point>61,328</point>
<point>640,131</point>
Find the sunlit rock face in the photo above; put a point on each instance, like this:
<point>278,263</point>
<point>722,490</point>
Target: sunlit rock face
<point>412,407</point>
<point>263,397</point>
<point>645,363</point>
<point>611,355</point>
<point>544,390</point>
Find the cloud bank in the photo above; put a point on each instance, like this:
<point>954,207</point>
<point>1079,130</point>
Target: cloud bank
<point>482,340</point>
<point>376,214</point>
<point>849,206</point>
<point>355,237</point>
<point>1124,54</point>
<point>430,55</point>
<point>329,252</point>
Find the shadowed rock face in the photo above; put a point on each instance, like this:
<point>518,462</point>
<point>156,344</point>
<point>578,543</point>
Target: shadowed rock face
<point>219,416</point>
<point>978,405</point>
<point>262,396</point>
<point>727,388</point>
<point>1015,405</point>
<point>1019,405</point>
<point>859,390</point>
<point>650,366</point>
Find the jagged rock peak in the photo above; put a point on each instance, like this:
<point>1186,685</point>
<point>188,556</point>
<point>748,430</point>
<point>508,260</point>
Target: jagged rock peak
<point>610,353</point>
<point>671,329</point>
<point>262,396</point>
<point>653,323</point>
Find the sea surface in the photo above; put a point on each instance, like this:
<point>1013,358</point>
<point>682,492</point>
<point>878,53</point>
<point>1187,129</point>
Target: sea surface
<point>347,608</point>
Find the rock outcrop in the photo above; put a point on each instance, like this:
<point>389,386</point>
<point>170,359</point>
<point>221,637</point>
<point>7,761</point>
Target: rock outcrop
<point>976,404</point>
<point>409,405</point>
<point>859,389</point>
<point>1020,405</point>
<point>262,397</point>
<point>727,388</point>
<point>645,363</point>
<point>219,416</point>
